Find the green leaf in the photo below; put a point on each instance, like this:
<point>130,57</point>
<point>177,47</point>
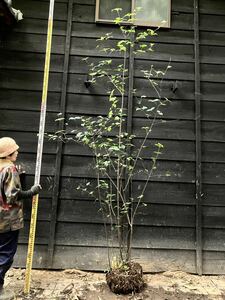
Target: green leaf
<point>117,9</point>
<point>59,119</point>
<point>159,145</point>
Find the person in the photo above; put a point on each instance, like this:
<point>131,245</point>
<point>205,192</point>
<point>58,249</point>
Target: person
<point>11,204</point>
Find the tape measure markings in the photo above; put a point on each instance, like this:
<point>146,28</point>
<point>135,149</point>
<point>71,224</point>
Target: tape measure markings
<point>34,210</point>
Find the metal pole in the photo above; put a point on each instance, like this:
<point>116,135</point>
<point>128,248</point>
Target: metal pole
<point>39,151</point>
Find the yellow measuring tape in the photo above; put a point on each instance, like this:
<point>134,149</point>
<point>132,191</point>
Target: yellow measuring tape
<point>30,252</point>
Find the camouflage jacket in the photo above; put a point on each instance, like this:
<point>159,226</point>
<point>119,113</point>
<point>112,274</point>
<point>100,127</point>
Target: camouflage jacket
<point>11,209</point>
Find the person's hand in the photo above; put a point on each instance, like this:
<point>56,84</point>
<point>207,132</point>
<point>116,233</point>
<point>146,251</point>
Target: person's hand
<point>20,169</point>
<point>35,189</point>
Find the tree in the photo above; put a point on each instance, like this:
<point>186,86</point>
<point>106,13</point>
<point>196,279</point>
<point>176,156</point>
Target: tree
<point>118,159</point>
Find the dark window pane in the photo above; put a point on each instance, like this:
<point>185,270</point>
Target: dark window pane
<point>106,6</point>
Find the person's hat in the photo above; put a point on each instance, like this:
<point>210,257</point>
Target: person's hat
<point>7,146</point>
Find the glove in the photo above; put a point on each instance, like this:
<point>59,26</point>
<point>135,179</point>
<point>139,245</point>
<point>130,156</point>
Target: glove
<point>35,189</point>
<point>20,169</point>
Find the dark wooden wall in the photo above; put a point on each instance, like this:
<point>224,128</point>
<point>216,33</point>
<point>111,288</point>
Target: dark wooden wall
<point>182,228</point>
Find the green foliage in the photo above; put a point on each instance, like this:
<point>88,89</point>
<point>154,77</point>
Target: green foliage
<point>118,159</point>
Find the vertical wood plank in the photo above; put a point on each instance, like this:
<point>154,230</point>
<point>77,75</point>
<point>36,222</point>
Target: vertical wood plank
<point>130,88</point>
<point>51,242</point>
<point>198,142</point>
<point>130,105</point>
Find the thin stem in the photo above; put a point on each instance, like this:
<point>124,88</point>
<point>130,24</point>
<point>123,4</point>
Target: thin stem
<point>145,186</point>
<point>113,183</point>
<point>142,145</point>
<point>104,222</point>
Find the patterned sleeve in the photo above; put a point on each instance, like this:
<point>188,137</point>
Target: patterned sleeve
<point>12,185</point>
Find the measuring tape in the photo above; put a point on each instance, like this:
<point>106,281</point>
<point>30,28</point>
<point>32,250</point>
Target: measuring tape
<point>30,252</point>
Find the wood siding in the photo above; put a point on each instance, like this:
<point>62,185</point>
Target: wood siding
<point>165,232</point>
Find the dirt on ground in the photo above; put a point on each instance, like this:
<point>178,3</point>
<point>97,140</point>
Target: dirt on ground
<point>78,285</point>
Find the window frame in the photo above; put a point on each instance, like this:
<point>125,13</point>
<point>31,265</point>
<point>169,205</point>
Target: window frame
<point>139,23</point>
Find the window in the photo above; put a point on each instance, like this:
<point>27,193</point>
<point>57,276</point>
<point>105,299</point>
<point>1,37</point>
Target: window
<point>154,13</point>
